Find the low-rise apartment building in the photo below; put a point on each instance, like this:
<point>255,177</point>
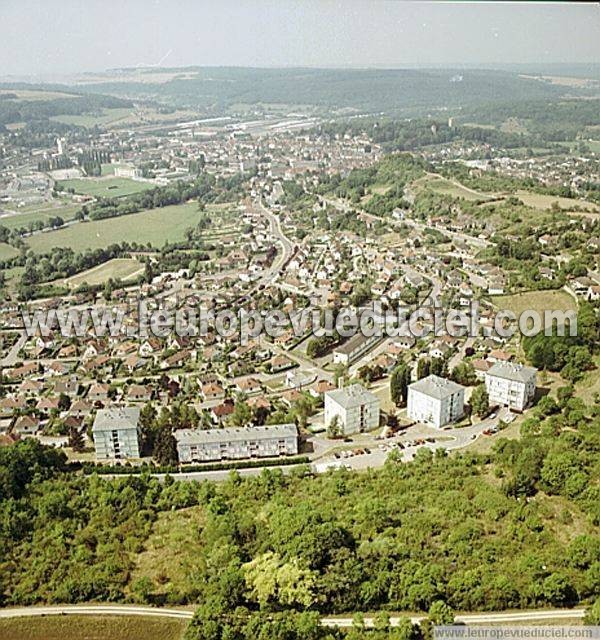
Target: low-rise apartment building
<point>236,443</point>
<point>511,385</point>
<point>356,409</point>
<point>435,401</point>
<point>116,433</point>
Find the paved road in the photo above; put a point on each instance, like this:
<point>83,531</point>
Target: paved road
<point>479,618</point>
<point>11,358</point>
<point>129,610</point>
<point>96,610</point>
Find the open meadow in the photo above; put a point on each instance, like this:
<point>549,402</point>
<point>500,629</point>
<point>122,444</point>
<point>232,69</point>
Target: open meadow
<point>540,301</point>
<point>22,218</point>
<point>155,226</point>
<point>117,268</point>
<point>7,251</point>
<point>102,118</point>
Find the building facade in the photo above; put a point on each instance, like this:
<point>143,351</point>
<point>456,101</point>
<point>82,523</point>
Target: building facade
<point>356,408</point>
<point>435,401</point>
<point>511,385</point>
<point>195,445</point>
<point>116,433</point>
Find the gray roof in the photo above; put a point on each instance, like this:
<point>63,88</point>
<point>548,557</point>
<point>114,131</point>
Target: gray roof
<point>355,342</point>
<point>512,371</point>
<point>436,387</point>
<point>117,418</point>
<point>352,396</point>
<point>235,434</point>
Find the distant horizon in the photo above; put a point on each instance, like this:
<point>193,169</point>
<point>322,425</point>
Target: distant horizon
<point>474,66</point>
<point>73,37</point>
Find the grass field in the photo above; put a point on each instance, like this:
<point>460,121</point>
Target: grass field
<point>156,226</point>
<point>91,628</point>
<point>106,187</point>
<point>27,94</point>
<point>6,251</point>
<point>541,201</point>
<point>22,218</point>
<point>103,118</point>
<point>447,187</point>
<point>539,301</point>
<point>117,268</point>
<point>164,560</point>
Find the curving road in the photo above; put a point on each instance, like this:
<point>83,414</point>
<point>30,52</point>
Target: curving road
<point>538,615</point>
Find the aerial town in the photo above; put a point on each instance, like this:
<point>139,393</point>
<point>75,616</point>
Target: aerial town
<point>283,228</point>
<point>299,346</point>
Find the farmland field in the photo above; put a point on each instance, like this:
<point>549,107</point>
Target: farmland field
<point>117,268</point>
<point>155,226</point>
<point>106,187</point>
<point>91,628</point>
<point>102,118</point>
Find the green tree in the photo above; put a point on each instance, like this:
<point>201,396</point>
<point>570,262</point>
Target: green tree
<point>592,613</point>
<point>440,613</point>
<point>480,401</point>
<point>76,441</point>
<point>165,447</point>
<point>399,381</point>
<point>334,428</point>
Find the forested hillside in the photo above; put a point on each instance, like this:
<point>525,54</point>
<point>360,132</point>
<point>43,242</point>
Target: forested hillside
<point>361,89</point>
<point>515,529</point>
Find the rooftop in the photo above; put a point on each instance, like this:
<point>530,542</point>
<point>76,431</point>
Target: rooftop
<point>235,434</point>
<point>436,387</point>
<point>117,418</point>
<point>512,371</point>
<point>352,396</point>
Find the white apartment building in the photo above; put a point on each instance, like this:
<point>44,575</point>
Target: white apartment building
<point>196,445</point>
<point>116,433</point>
<point>435,401</point>
<point>357,409</point>
<point>511,385</point>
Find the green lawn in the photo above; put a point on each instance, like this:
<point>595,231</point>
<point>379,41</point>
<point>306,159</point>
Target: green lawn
<point>106,187</point>
<point>118,269</point>
<point>156,226</point>
<point>92,628</point>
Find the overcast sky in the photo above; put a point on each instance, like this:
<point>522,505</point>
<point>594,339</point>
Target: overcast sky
<point>44,37</point>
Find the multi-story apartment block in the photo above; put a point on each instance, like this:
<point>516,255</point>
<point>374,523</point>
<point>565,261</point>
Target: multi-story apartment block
<point>511,385</point>
<point>356,408</point>
<point>435,401</point>
<point>195,445</point>
<point>116,433</point>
